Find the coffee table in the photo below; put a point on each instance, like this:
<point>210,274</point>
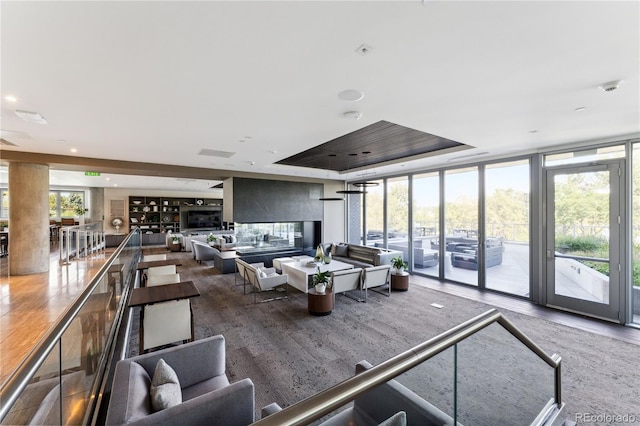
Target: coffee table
<point>300,274</point>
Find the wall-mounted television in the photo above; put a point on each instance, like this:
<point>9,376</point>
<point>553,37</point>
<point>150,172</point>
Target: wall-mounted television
<point>204,219</point>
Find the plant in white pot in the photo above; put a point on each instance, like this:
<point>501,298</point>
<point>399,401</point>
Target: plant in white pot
<point>399,265</point>
<point>211,239</point>
<point>321,281</point>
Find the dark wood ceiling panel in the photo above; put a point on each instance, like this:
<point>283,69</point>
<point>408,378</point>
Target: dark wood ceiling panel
<point>377,143</point>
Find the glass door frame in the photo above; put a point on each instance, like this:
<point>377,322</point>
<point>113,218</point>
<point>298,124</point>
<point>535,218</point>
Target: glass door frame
<point>615,310</point>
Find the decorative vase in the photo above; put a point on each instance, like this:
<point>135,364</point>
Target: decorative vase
<point>319,254</point>
<point>327,259</point>
<point>320,288</point>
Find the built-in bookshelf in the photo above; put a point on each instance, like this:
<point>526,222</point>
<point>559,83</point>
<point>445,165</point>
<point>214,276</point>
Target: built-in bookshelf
<point>162,214</point>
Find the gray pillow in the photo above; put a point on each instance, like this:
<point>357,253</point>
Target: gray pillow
<point>398,419</point>
<point>165,387</point>
<point>341,250</point>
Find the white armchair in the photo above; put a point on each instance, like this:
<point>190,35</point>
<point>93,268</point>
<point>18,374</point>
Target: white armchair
<point>204,252</point>
<point>347,281</point>
<point>264,279</point>
<point>241,265</point>
<point>376,276</point>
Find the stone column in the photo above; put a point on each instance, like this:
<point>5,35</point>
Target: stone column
<point>28,218</point>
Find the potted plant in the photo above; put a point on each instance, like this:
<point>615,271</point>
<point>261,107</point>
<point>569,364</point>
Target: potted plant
<point>211,239</point>
<point>399,264</point>
<point>175,243</point>
<point>321,281</point>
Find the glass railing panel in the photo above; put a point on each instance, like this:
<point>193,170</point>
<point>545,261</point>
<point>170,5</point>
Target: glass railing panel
<point>37,402</point>
<point>433,382</point>
<point>424,394</point>
<point>500,380</point>
<point>72,369</point>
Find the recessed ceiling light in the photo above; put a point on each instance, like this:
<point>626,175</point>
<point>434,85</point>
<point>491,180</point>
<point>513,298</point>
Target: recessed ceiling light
<point>74,150</point>
<point>108,179</point>
<point>61,141</point>
<point>581,108</point>
<point>351,95</point>
<point>273,151</point>
<point>533,131</point>
<point>10,98</point>
<point>115,184</point>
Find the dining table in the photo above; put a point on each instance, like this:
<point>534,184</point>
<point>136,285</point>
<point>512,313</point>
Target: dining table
<point>143,296</point>
<point>155,263</point>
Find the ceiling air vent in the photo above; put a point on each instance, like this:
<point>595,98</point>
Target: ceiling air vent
<point>216,153</point>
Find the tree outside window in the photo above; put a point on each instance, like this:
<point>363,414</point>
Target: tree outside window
<point>66,204</point>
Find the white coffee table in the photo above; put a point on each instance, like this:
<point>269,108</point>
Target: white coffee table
<point>300,274</point>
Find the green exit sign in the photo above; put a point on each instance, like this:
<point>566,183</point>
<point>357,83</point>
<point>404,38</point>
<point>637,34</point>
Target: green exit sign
<point>92,173</point>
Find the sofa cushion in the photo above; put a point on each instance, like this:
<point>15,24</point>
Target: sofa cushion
<point>165,387</point>
<point>363,254</point>
<point>341,250</point>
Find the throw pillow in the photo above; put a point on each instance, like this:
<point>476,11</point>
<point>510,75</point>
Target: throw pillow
<point>398,419</point>
<point>260,273</point>
<point>342,250</point>
<point>233,239</point>
<point>165,387</point>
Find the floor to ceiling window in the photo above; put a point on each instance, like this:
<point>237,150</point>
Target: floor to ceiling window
<point>66,204</point>
<point>398,214</point>
<point>374,216</point>
<point>507,227</point>
<point>426,223</point>
<point>443,239</point>
<point>461,225</point>
<point>635,183</point>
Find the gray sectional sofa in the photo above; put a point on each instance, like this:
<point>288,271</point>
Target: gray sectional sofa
<point>360,256</point>
<point>423,257</point>
<point>464,252</point>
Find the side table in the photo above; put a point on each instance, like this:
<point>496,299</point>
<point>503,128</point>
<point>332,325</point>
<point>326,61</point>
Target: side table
<point>400,282</point>
<point>320,304</point>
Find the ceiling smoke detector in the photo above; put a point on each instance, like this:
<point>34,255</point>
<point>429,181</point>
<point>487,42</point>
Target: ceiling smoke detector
<point>352,115</point>
<point>611,86</point>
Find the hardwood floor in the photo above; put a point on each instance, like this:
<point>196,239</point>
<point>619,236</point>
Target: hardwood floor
<point>31,304</point>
